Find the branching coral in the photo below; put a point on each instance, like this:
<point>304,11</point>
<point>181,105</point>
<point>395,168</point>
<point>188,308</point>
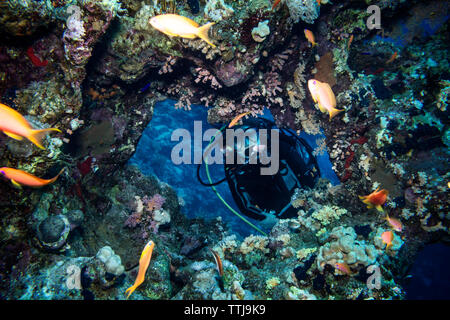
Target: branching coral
<point>217,10</point>
<point>327,214</point>
<point>205,76</point>
<point>305,10</point>
<point>148,214</point>
<point>257,243</point>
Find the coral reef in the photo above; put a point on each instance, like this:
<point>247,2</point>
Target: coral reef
<point>96,70</point>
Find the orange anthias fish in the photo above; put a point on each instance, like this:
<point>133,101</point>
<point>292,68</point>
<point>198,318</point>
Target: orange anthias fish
<point>392,58</point>
<point>275,3</point>
<point>237,118</point>
<point>14,125</point>
<point>375,199</point>
<point>395,223</point>
<point>20,178</point>
<point>144,262</point>
<point>175,25</point>
<point>343,267</point>
<point>323,95</point>
<point>310,36</point>
<point>387,238</point>
<point>350,42</point>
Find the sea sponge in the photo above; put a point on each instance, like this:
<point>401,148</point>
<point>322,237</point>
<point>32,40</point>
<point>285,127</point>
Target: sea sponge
<point>260,32</point>
<point>161,216</point>
<point>112,262</point>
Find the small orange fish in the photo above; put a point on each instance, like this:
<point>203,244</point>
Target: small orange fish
<point>392,58</point>
<point>387,238</point>
<point>144,262</point>
<point>20,178</point>
<point>375,199</point>
<point>310,36</point>
<point>343,267</point>
<point>275,3</point>
<point>395,223</point>
<point>218,262</point>
<point>14,125</point>
<point>318,2</point>
<point>349,42</point>
<point>323,95</point>
<point>237,118</point>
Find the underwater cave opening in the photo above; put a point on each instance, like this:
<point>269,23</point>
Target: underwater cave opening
<point>153,156</point>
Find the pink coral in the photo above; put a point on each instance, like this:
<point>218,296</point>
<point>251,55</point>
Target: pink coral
<point>133,220</point>
<point>154,203</point>
<point>205,76</point>
<point>167,67</point>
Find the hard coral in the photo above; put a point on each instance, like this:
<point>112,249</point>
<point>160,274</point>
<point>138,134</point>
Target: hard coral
<point>344,248</point>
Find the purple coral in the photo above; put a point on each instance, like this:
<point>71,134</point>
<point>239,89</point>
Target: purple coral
<point>133,220</point>
<point>205,76</point>
<point>154,203</point>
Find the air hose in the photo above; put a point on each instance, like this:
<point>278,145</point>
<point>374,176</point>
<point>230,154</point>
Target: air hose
<point>213,186</point>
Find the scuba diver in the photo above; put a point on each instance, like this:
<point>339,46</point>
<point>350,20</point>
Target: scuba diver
<point>263,197</point>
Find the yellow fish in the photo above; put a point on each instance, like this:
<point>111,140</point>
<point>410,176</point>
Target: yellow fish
<point>14,125</point>
<point>321,93</point>
<point>20,178</point>
<point>144,262</point>
<point>310,36</point>
<point>175,25</point>
<point>237,118</point>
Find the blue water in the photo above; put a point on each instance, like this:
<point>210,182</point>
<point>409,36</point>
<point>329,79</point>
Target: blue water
<point>153,157</point>
<point>430,277</point>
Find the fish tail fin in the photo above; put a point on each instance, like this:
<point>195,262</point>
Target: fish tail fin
<point>36,136</point>
<point>57,176</point>
<point>334,112</point>
<point>202,33</point>
<point>130,290</point>
<point>365,200</point>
